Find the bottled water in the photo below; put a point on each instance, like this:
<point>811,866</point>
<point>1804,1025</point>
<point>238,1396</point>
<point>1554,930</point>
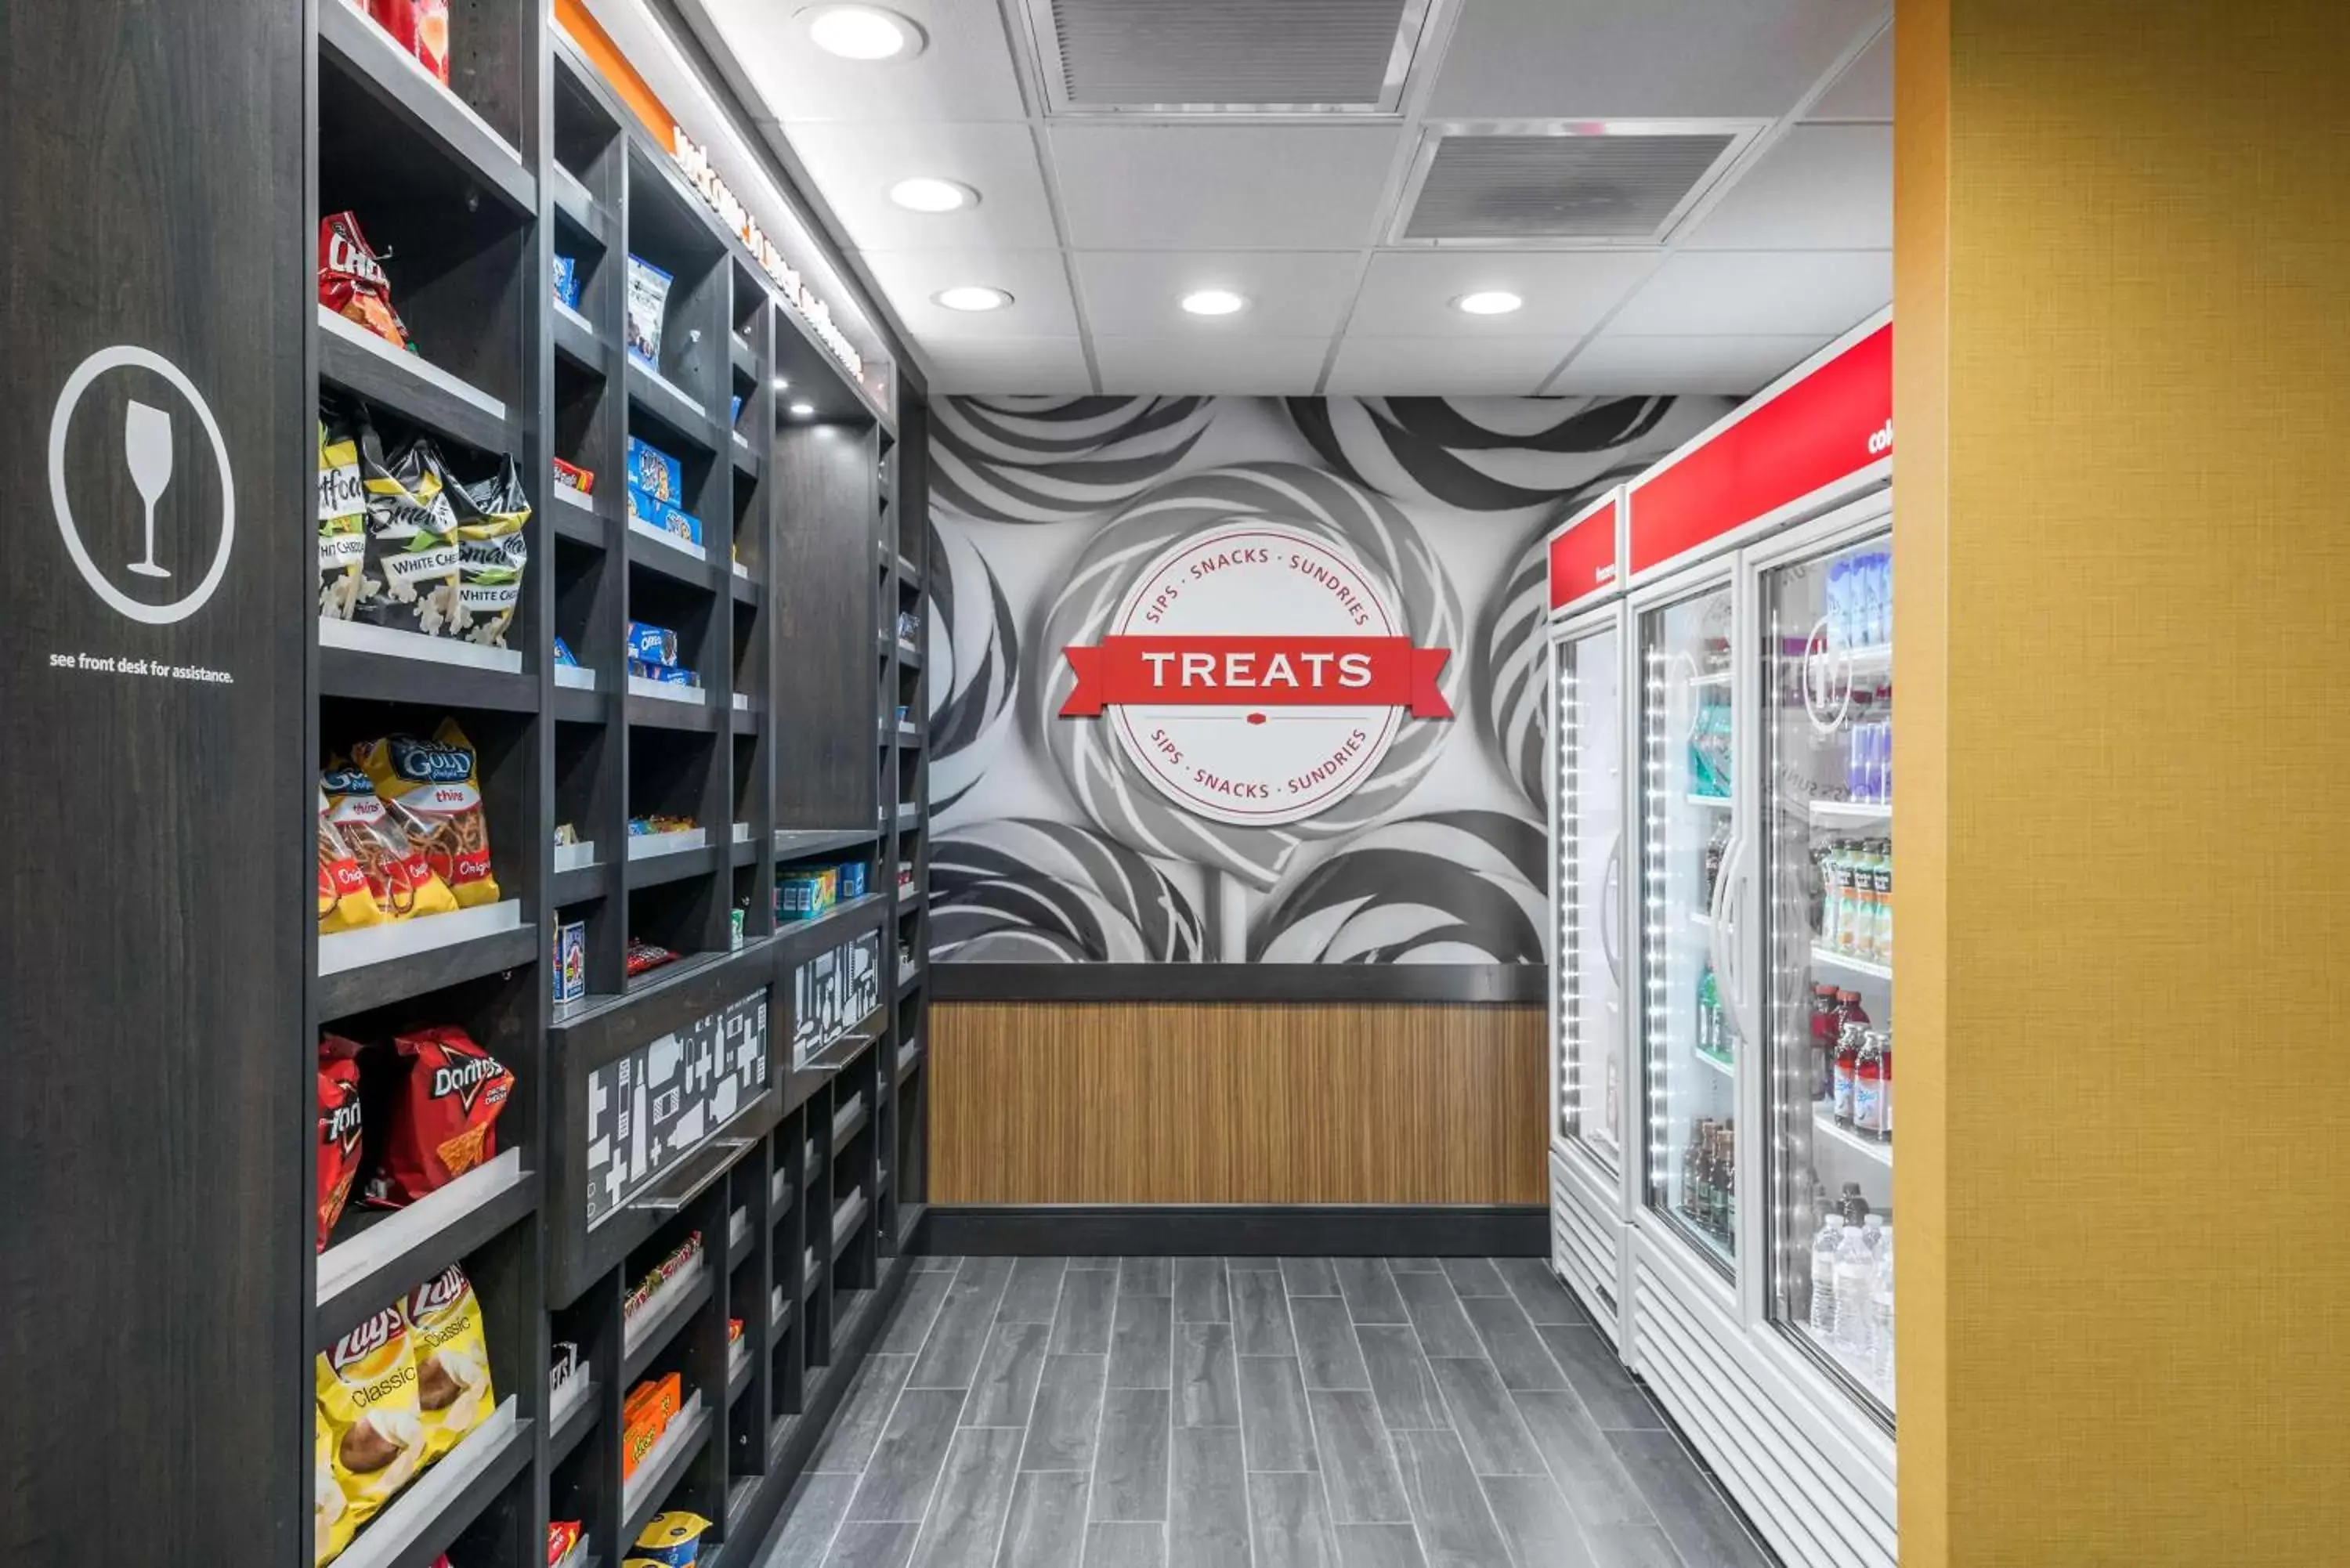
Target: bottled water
<point>1880,1315</point>
<point>1853,1267</point>
<point>1824,1255</point>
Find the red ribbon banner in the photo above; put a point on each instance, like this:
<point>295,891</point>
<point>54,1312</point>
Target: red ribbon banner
<point>1256,672</point>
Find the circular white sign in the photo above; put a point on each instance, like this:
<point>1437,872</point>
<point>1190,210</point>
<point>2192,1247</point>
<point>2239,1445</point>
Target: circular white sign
<point>1256,764</point>
<point>139,444</point>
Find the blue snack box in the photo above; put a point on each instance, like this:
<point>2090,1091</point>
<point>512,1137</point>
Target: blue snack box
<point>563,656</point>
<point>567,281</point>
<point>667,674</point>
<point>852,879</point>
<point>734,412</point>
<point>654,471</point>
<point>661,517</point>
<point>652,644</point>
<point>570,962</point>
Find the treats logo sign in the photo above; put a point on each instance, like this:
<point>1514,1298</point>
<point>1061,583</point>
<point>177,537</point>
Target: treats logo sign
<point>1255,674</point>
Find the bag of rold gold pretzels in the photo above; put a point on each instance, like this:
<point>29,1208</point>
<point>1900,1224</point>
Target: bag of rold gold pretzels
<point>386,842</point>
<point>434,782</point>
<point>366,1407</point>
<point>453,1360</point>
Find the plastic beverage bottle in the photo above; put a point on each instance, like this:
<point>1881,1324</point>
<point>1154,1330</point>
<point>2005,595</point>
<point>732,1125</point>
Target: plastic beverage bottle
<point>1880,894</point>
<point>1853,1206</point>
<point>1848,1011</point>
<point>1880,1315</point>
<point>1853,1267</point>
<point>1884,878</point>
<point>1823,1041</point>
<point>1885,1086</point>
<point>1867,1087</point>
<point>1824,1247</point>
<point>1872,1231</point>
<point>1840,895</point>
<point>1846,1079</point>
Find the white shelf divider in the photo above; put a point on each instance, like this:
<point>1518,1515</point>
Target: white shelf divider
<point>667,691</point>
<point>406,939</point>
<point>1829,957</point>
<point>674,541</point>
<point>647,846</point>
<point>359,637</point>
<point>578,677</point>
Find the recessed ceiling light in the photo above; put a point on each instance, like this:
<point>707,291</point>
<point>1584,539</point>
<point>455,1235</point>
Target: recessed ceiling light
<point>802,410</point>
<point>1488,302</point>
<point>924,193</point>
<point>1213,302</point>
<point>863,33</point>
<point>973,296</point>
<point>782,385</point>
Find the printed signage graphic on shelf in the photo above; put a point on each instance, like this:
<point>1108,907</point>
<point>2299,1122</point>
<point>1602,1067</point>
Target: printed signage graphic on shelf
<point>656,1105</point>
<point>1239,725</point>
<point>145,444</point>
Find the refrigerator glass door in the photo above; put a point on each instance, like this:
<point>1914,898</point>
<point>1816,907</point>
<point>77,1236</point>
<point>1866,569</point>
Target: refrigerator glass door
<point>1587,691</point>
<point>1691,1045</point>
<point>1827,984</point>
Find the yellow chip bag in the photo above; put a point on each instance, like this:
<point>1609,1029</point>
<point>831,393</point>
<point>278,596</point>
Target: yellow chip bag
<point>366,1407</point>
<point>453,1360</point>
<point>330,1522</point>
<point>434,783</point>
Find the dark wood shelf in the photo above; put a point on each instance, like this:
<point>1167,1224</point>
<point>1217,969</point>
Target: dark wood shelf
<point>744,720</point>
<point>806,843</point>
<point>402,388</point>
<point>577,705</point>
<point>575,341</point>
<point>481,1488</point>
<point>577,207</point>
<point>582,883</point>
<point>660,714</point>
<point>745,589</point>
<point>371,986</point>
<point>470,1227</point>
<point>565,1434</point>
<point>388,677</point>
<point>851,1120</point>
<point>673,1318</point>
<point>743,358</point>
<point>653,555</point>
<point>591,526</point>
<point>677,866</point>
<point>745,456</point>
<point>678,410</point>
<point>364,55</point>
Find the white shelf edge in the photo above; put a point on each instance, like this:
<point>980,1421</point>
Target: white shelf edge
<point>847,1214</point>
<point>565,492</point>
<point>741,440</point>
<point>667,691</point>
<point>742,833</point>
<point>777,1185</point>
<point>660,1305</point>
<point>684,547</point>
<point>1835,959</point>
<point>464,111</point>
<point>682,1430</point>
<point>573,183</point>
<point>670,387</point>
<point>574,317</point>
<point>390,1534</point>
<point>738,1228</point>
<point>578,677</point>
<point>359,637</point>
<point>1882,1153</point>
<point>1727,1069</point>
<point>1709,802</point>
<point>650,846</point>
<point>387,1238</point>
<point>1853,810</point>
<point>742,571</point>
<point>742,702</point>
<point>574,856</point>
<point>414,364</point>
<point>418,934</point>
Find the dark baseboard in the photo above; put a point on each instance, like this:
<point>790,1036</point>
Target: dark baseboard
<point>1250,1229</point>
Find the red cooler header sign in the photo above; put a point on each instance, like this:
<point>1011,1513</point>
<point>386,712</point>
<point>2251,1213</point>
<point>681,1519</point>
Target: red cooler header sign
<point>1242,724</point>
<point>1583,556</point>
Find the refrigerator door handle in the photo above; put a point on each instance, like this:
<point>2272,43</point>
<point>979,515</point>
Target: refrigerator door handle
<point>1735,872</point>
<point>1610,884</point>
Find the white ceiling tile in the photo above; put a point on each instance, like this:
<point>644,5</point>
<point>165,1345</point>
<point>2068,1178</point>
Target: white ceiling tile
<point>1008,364</point>
<point>1410,294</point>
<point>855,165</point>
<point>1445,367</point>
<point>1820,187</point>
<point>1620,365</point>
<point>1037,281</point>
<point>1203,188</point>
<point>1759,294</point>
<point>1642,58</point>
<point>1865,90</point>
<point>1217,363</point>
<point>964,73</point>
<point>1294,294</point>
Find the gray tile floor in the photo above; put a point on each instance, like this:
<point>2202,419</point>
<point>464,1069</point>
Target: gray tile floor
<point>1249,1413</point>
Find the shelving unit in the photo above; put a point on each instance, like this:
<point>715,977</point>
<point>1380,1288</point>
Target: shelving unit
<point>804,1180</point>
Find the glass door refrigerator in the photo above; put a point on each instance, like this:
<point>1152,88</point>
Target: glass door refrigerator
<point>1593,1086</point>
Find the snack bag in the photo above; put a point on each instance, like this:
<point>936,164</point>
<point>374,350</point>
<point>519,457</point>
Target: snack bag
<point>648,312</point>
<point>351,282</point>
<point>572,477</point>
<point>453,1360</point>
<point>384,840</point>
<point>431,45</point>
<point>342,516</point>
<point>366,1407</point>
<point>445,1122</point>
<point>433,785</point>
<point>562,1535</point>
<point>412,537</point>
<point>491,554</point>
<point>345,904</point>
<point>338,1129</point>
<point>671,1540</point>
<point>330,1525</point>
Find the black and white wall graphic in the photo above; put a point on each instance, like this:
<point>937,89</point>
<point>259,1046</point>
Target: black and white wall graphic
<point>1059,523</point>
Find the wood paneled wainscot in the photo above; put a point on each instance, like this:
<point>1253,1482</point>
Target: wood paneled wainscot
<point>1188,1103</point>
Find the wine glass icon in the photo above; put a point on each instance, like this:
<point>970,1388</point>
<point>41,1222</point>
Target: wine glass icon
<point>146,450</point>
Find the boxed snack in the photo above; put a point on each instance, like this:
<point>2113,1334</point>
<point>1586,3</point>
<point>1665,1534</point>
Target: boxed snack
<point>654,471</point>
<point>351,282</point>
<point>662,518</point>
<point>652,644</point>
<point>647,309</point>
<point>572,477</point>
<point>369,1411</point>
<point>338,1129</point>
<point>667,674</point>
<point>385,839</point>
<point>570,961</point>
<point>567,280</point>
<point>435,783</point>
<point>564,1367</point>
<point>342,513</point>
<point>671,1540</point>
<point>644,956</point>
<point>567,658</point>
<point>852,879</point>
<point>453,1360</point>
<point>444,1122</point>
<point>412,545</point>
<point>491,554</point>
<point>657,1397</point>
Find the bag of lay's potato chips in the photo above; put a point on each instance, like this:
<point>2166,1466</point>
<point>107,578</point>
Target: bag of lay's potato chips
<point>330,1521</point>
<point>434,784</point>
<point>386,840</point>
<point>453,1360</point>
<point>366,1407</point>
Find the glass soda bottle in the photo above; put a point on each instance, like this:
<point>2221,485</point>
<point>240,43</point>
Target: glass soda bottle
<point>1848,1062</point>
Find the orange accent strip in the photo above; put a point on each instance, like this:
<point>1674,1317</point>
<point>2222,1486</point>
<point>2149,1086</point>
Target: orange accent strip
<point>614,67</point>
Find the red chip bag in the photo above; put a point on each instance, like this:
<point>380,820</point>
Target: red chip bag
<point>338,1129</point>
<point>446,1120</point>
<point>351,282</point>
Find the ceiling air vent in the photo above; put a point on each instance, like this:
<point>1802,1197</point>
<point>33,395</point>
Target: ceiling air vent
<point>1583,183</point>
<point>1226,56</point>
